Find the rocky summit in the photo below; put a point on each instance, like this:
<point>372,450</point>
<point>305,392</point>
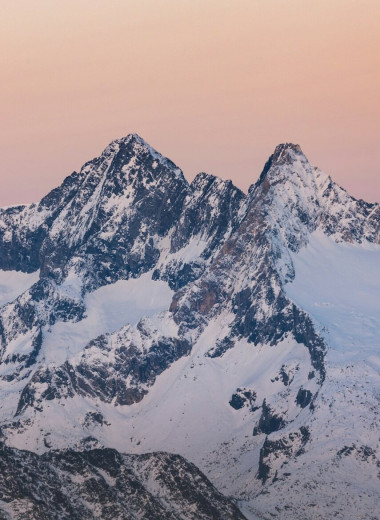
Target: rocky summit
<point>142,315</point>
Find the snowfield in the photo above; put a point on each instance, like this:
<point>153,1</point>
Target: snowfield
<point>14,283</point>
<point>108,309</point>
<point>338,284</point>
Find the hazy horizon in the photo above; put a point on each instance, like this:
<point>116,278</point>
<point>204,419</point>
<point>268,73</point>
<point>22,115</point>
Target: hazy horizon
<point>212,85</point>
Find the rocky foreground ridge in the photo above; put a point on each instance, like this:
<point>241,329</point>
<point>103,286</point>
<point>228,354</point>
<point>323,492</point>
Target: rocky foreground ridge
<point>102,483</point>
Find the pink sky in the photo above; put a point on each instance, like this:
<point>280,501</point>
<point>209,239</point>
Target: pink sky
<point>213,84</point>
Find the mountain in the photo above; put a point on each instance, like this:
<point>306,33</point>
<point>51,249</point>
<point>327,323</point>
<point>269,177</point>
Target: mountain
<point>238,330</point>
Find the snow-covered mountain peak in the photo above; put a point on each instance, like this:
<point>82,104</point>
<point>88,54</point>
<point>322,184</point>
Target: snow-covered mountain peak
<point>132,137</point>
<point>287,153</point>
<point>201,179</point>
<point>126,161</point>
<point>133,140</point>
<point>133,148</point>
<point>205,181</point>
<point>298,198</point>
<point>287,163</point>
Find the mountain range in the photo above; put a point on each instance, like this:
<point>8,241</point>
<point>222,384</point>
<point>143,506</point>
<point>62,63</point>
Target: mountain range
<point>151,327</point>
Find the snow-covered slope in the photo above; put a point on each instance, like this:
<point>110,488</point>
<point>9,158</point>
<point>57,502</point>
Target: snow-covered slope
<point>240,331</point>
<point>14,283</point>
<point>107,310</point>
<point>337,474</point>
<point>338,284</point>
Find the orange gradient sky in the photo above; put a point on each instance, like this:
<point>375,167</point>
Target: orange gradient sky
<point>213,84</point>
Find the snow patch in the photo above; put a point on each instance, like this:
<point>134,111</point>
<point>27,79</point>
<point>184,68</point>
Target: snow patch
<point>108,309</point>
<point>14,283</point>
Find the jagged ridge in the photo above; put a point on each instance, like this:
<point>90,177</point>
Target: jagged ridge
<point>101,483</point>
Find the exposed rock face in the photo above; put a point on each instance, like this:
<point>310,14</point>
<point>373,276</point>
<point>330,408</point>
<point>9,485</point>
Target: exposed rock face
<point>117,369</point>
<point>211,211</point>
<point>77,362</point>
<point>243,397</point>
<point>275,452</point>
<point>102,483</point>
<point>269,421</point>
<point>303,397</point>
<point>129,197</point>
